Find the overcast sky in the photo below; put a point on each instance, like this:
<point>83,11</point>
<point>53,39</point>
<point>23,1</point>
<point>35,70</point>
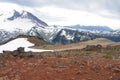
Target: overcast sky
<point>70,12</point>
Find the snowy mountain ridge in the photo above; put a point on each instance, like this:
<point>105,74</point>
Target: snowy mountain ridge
<point>17,23</point>
<point>24,23</point>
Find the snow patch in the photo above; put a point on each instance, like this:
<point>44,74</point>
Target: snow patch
<point>63,33</point>
<point>69,37</point>
<point>24,24</point>
<point>20,42</point>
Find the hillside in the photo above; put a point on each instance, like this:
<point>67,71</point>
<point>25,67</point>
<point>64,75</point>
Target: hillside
<point>35,40</point>
<point>39,43</point>
<point>79,45</point>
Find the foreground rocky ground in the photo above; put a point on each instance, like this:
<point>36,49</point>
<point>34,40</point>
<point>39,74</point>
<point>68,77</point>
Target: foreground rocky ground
<point>58,66</point>
<point>52,68</point>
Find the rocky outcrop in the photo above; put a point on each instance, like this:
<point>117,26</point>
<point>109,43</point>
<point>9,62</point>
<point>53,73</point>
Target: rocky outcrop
<point>17,53</point>
<point>93,47</point>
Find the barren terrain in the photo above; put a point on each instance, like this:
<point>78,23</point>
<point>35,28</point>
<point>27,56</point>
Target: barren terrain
<point>78,61</point>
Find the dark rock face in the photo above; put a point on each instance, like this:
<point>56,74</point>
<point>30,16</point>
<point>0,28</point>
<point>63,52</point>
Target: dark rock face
<point>20,49</point>
<point>17,53</point>
<point>14,53</point>
<point>16,14</point>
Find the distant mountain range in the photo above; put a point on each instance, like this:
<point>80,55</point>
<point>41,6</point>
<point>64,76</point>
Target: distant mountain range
<point>99,28</point>
<point>15,23</point>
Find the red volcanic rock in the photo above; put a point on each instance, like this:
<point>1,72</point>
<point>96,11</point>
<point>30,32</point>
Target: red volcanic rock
<point>53,68</point>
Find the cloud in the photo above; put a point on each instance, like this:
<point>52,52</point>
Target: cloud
<point>73,4</point>
<point>95,6</point>
<point>72,17</point>
<point>20,2</point>
<point>104,12</point>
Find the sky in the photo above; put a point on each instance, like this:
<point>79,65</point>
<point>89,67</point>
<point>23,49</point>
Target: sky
<point>70,12</point>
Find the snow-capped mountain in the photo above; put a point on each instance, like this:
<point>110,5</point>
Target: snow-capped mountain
<point>111,35</point>
<point>66,36</point>
<point>27,15</point>
<point>47,33</point>
<point>15,23</point>
<point>98,28</point>
<point>11,21</point>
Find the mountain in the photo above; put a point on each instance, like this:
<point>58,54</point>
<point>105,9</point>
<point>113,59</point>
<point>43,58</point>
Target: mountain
<point>17,23</point>
<point>111,35</point>
<point>99,28</point>
<point>47,33</point>
<point>66,36</point>
<point>27,15</point>
<point>11,21</point>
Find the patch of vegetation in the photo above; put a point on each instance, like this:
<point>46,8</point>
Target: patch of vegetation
<point>112,51</point>
<point>1,55</point>
<point>85,53</point>
<point>58,55</point>
<point>25,36</point>
<point>35,39</point>
<point>27,54</point>
<point>93,47</point>
<point>107,57</point>
<point>72,61</point>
